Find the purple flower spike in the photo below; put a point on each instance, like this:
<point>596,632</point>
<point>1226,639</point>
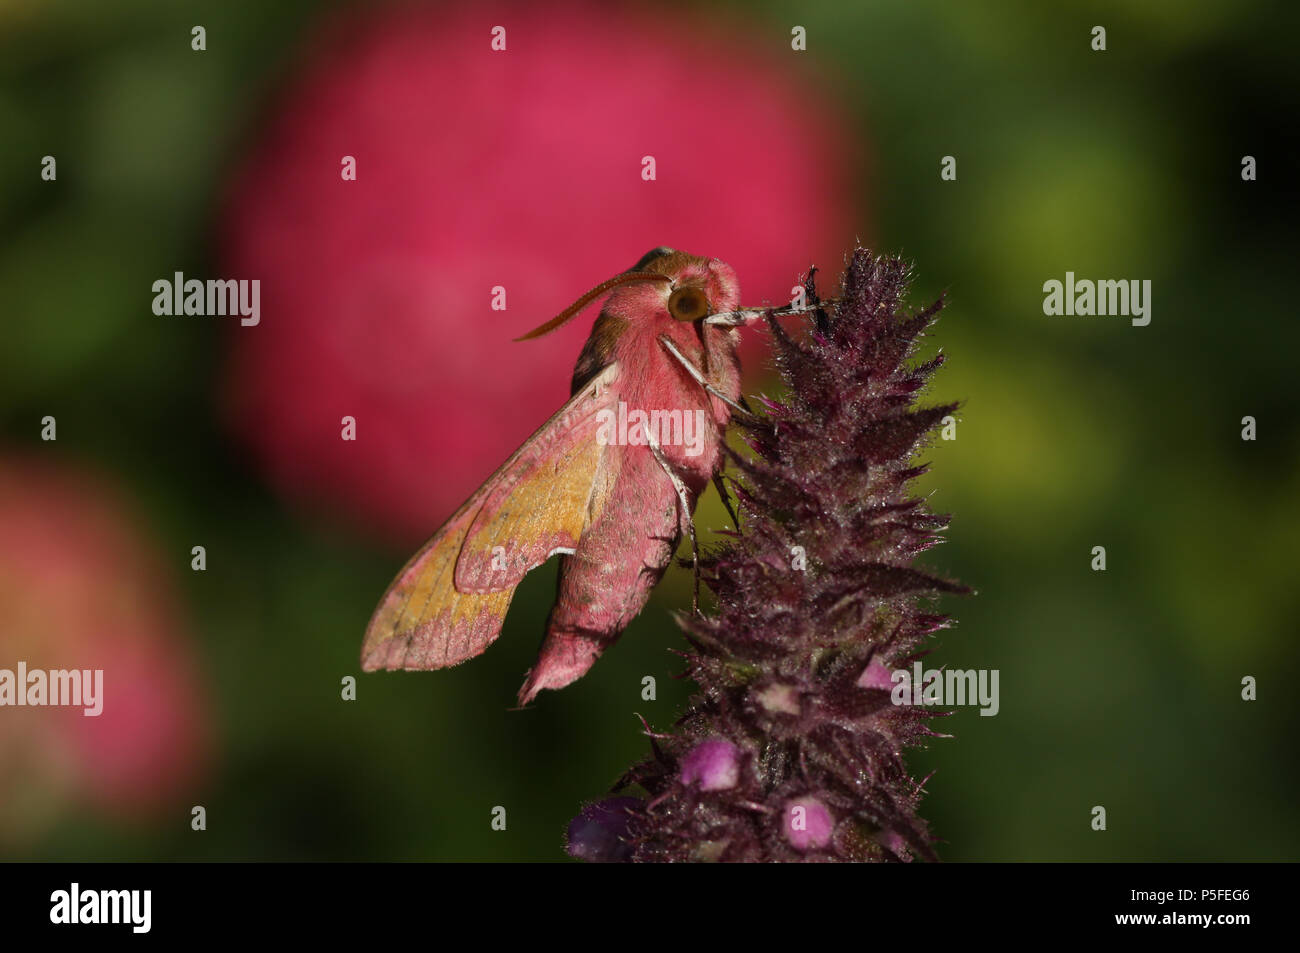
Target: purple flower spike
<point>788,752</point>
<point>714,765</point>
<point>599,832</point>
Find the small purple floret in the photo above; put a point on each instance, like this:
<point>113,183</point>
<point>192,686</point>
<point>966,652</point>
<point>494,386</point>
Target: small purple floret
<point>598,833</point>
<point>807,823</point>
<point>714,765</point>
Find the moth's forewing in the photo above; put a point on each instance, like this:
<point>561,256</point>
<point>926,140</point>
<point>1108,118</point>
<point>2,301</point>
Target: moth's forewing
<point>543,512</point>
<point>448,603</point>
<point>422,622</point>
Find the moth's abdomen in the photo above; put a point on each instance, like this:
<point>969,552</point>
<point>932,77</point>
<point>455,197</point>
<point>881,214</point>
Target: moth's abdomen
<point>607,581</point>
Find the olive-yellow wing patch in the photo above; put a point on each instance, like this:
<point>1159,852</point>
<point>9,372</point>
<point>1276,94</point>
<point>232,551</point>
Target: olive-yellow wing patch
<point>448,603</point>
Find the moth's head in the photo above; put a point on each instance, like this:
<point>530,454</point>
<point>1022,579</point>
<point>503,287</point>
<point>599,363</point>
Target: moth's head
<point>684,287</point>
<point>696,287</point>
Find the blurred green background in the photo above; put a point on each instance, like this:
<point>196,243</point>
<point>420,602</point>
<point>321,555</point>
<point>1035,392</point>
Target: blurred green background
<point>1119,688</point>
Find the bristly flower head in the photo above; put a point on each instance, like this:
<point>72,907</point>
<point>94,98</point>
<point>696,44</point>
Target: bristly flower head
<point>792,748</point>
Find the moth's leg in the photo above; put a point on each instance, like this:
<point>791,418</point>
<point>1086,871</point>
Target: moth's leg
<point>700,379</point>
<point>726,500</point>
<point>684,498</point>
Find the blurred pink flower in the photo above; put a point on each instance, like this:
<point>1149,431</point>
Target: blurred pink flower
<point>79,589</point>
<point>478,168</point>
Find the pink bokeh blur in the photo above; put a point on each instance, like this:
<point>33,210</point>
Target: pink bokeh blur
<point>479,168</point>
<point>81,589</point>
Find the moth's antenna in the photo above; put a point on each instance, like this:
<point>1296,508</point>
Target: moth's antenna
<point>600,289</point>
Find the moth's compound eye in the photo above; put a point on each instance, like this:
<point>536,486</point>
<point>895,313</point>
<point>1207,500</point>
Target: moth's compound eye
<point>688,304</point>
